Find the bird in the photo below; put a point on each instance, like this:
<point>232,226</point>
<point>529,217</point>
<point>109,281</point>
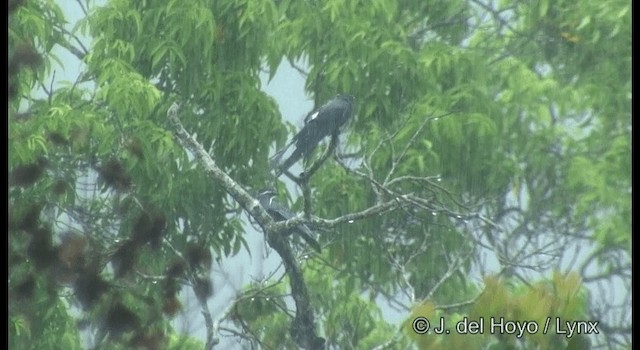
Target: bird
<point>279,212</point>
<point>326,120</point>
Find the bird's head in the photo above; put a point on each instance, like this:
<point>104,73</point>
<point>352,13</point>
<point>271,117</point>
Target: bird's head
<point>267,193</point>
<point>266,196</point>
<point>348,98</point>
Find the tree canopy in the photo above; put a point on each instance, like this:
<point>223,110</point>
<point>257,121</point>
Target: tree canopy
<point>486,173</point>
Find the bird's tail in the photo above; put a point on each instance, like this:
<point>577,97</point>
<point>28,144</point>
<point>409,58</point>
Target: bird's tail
<point>274,161</point>
<point>294,157</point>
<point>282,166</point>
<point>310,241</point>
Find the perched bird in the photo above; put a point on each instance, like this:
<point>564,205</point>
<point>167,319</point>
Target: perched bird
<point>281,213</point>
<point>326,120</point>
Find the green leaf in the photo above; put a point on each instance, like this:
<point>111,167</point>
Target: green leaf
<point>585,22</point>
<point>158,53</point>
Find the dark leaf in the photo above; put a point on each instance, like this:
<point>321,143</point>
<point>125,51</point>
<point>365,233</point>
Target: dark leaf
<point>88,289</point>
<point>24,55</point>
<point>124,258</point>
<point>57,139</point>
<point>113,174</point>
<point>198,256</point>
<point>71,251</point>
<point>121,319</point>
<point>26,288</point>
<point>14,4</point>
<point>175,269</point>
<point>27,220</point>
<point>171,306</point>
<point>151,340</point>
<point>59,187</point>
<point>134,145</point>
<point>40,249</point>
<point>202,287</point>
<point>149,228</point>
<point>28,174</point>
<point>170,287</point>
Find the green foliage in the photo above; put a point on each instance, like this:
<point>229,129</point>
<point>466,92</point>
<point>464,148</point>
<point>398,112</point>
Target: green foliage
<point>42,322</point>
<point>562,298</point>
<point>346,315</point>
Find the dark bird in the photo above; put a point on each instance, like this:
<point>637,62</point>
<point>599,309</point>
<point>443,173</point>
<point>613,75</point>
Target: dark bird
<point>326,120</point>
<point>281,213</point>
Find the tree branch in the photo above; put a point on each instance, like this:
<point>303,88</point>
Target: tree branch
<point>302,327</point>
<point>239,194</point>
<point>377,209</point>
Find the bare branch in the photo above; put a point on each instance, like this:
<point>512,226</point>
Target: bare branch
<point>234,189</point>
<point>452,268</point>
<point>458,305</point>
<point>212,328</point>
<point>84,10</point>
<point>303,326</point>
<point>298,68</point>
<point>371,211</point>
<point>396,160</point>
